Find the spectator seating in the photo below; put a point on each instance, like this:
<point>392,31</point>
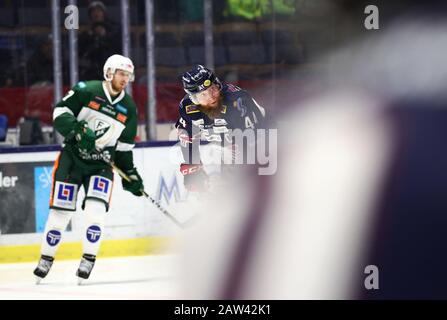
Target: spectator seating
<point>196,54</point>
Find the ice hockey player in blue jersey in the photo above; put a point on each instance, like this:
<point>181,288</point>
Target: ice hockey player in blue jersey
<point>211,111</point>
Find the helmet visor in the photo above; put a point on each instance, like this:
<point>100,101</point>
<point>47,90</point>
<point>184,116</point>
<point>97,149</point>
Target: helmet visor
<point>123,73</point>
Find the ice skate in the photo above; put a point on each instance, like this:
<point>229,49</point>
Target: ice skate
<point>43,268</point>
<point>85,267</point>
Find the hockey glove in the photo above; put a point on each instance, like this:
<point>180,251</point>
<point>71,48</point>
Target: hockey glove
<point>194,177</point>
<point>135,186</point>
<point>85,137</point>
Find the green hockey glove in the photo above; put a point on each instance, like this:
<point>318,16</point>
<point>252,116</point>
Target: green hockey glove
<point>85,137</point>
<point>135,186</point>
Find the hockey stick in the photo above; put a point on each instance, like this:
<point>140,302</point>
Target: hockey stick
<point>147,196</point>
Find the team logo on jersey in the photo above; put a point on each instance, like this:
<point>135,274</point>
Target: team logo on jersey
<point>121,117</point>
<point>53,237</point>
<point>108,109</point>
<point>100,98</point>
<point>101,127</point>
<point>100,188</point>
<point>224,109</point>
<point>93,233</point>
<point>241,107</point>
<point>121,109</point>
<point>199,123</point>
<point>220,122</point>
<point>220,129</point>
<point>94,105</point>
<point>65,195</point>
<point>192,109</point>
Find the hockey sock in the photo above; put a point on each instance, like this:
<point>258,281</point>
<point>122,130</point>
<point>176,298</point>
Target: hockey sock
<point>95,213</point>
<point>56,224</point>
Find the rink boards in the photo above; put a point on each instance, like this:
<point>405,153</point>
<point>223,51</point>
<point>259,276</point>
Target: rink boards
<point>134,226</point>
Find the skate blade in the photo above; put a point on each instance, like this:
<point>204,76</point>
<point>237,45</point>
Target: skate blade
<point>38,280</point>
<point>80,281</point>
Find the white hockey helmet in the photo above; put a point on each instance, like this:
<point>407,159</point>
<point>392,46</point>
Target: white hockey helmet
<point>115,62</point>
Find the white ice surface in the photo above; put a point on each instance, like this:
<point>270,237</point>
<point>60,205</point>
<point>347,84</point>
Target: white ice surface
<point>136,278</point>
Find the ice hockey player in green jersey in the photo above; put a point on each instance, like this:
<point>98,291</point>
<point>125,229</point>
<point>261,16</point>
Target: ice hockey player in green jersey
<point>98,120</point>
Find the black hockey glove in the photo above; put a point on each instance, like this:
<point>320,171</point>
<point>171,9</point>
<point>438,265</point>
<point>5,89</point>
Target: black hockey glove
<point>85,137</point>
<point>195,178</point>
<point>135,186</point>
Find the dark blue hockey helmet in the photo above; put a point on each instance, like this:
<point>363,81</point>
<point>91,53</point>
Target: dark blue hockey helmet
<point>198,79</point>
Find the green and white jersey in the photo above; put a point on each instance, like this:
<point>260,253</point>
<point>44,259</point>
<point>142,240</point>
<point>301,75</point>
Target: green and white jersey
<point>114,121</point>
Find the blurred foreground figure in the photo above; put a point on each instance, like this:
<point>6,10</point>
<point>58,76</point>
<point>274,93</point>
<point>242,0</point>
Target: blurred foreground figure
<point>361,185</point>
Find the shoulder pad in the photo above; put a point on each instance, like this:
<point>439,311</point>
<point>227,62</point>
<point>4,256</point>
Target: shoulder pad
<point>185,102</point>
<point>88,85</point>
<point>231,88</point>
